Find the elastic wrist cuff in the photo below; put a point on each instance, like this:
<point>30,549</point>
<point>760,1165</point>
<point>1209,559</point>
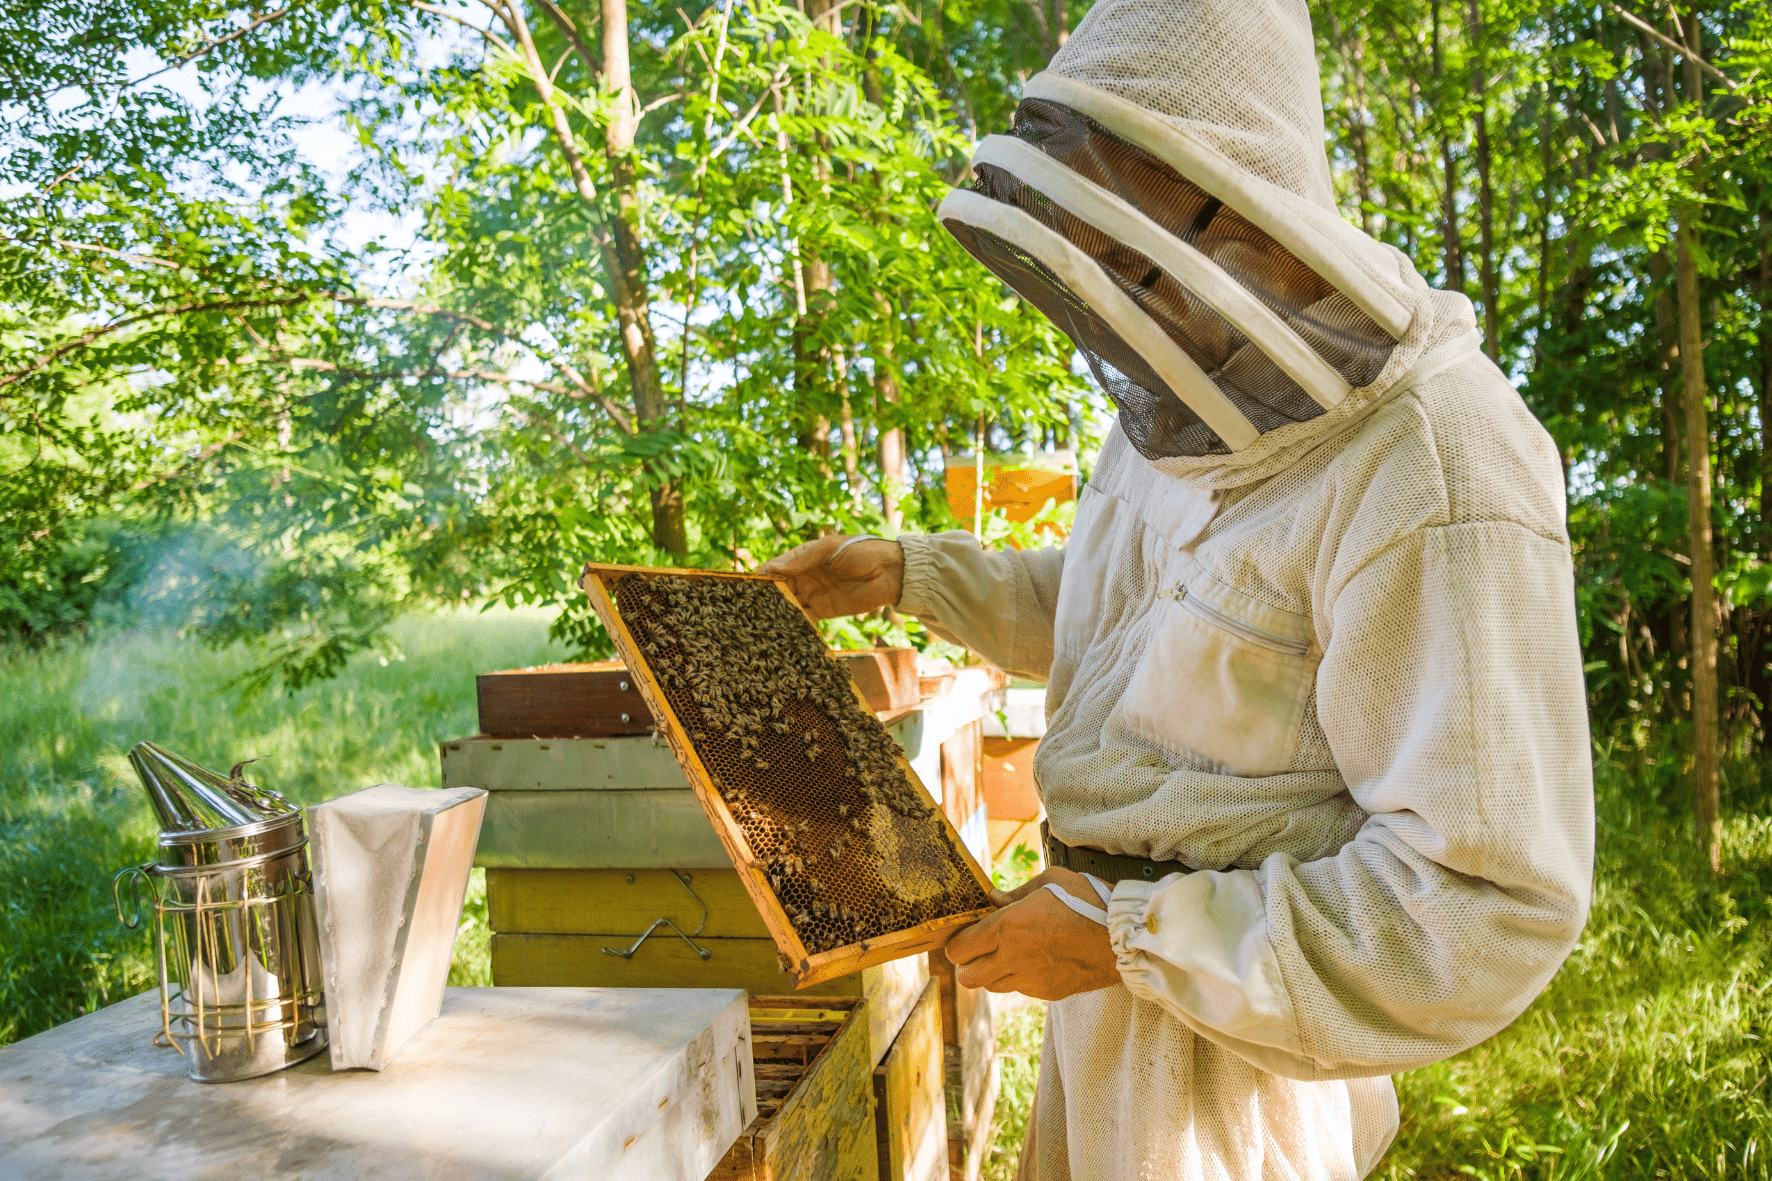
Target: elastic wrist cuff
<point>914,596</point>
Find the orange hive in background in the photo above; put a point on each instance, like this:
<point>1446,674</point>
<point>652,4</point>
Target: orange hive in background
<point>1019,484</point>
<point>843,850</point>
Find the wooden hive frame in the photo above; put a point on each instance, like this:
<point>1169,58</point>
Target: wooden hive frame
<point>806,968</point>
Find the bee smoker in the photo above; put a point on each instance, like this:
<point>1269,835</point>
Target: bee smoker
<point>235,935</point>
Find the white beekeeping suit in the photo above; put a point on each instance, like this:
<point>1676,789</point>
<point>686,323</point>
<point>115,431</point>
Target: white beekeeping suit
<point>1312,637</point>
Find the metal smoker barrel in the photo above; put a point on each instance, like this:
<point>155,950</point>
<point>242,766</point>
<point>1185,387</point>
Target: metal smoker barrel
<point>235,932</point>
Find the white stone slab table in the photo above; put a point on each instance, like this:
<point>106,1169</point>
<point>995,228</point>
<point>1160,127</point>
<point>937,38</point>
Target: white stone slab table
<point>609,1084</point>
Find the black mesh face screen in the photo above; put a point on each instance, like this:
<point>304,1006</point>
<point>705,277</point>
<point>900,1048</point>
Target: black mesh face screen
<point>1156,422</point>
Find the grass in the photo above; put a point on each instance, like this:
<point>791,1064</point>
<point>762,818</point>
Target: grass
<point>1018,1050</point>
<point>1646,1058</point>
<point>72,812</point>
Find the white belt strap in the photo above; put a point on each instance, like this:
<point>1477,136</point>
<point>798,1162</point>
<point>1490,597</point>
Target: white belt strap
<point>1098,913</point>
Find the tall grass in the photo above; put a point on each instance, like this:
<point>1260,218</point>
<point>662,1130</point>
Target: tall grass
<point>1650,1055</point>
<point>72,812</point>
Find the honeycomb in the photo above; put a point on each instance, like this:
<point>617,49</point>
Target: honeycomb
<point>808,774</point>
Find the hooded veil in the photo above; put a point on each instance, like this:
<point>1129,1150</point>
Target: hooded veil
<point>1165,198</point>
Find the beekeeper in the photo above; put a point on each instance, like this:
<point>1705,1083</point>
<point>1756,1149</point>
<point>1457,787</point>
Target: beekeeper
<point>1317,751</point>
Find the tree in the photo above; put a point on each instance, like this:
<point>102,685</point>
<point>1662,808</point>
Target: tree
<point>481,417</point>
<point>1550,144</point>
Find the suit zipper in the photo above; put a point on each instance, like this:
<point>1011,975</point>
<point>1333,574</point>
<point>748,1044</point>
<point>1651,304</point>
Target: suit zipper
<point>1259,636</point>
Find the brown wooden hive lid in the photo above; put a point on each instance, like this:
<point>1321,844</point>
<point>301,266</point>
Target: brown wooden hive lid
<point>596,700</point>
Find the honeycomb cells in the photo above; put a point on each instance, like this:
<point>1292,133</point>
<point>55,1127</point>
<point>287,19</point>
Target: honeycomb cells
<point>808,774</point>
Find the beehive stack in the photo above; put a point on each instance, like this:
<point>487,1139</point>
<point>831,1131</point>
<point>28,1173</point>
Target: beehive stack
<point>589,839</point>
<point>815,1103</point>
<point>846,854</point>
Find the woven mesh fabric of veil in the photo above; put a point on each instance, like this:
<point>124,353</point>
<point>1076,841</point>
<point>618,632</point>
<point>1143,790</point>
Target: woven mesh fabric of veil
<point>1064,186</point>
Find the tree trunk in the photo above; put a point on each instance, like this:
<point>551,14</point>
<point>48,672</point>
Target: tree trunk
<point>624,258</point>
<point>1061,24</point>
<point>1667,352</point>
<point>851,445</point>
<point>1765,380</point>
<point>1485,191</point>
<point>1352,51</point>
<point>1451,247</point>
<point>1545,215</point>
<point>1043,25</point>
<point>891,440</point>
<point>1706,741</point>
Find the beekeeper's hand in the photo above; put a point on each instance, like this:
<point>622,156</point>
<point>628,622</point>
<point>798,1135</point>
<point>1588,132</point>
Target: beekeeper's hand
<point>1035,944</point>
<point>841,575</point>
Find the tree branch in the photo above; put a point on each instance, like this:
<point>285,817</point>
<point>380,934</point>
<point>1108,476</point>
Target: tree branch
<point>580,388</point>
<point>570,32</point>
<point>584,389</point>
<point>1679,47</point>
<point>217,43</point>
<point>95,247</point>
<point>466,24</point>
<point>118,325</point>
<point>491,375</point>
<point>738,128</point>
<point>209,452</point>
<point>544,90</point>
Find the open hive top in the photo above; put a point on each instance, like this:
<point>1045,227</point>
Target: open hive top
<point>844,847</point>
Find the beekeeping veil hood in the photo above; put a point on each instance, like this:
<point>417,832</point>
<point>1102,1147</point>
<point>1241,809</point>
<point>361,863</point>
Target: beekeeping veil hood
<point>1165,199</point>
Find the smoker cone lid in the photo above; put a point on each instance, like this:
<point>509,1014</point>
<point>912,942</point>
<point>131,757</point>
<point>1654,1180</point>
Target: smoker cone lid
<point>193,799</point>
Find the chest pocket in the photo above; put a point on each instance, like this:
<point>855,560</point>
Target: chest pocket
<point>1224,677</point>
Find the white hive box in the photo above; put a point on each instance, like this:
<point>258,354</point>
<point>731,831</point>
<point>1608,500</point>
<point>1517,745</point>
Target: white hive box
<point>390,872</point>
<point>507,1084</point>
<point>583,803</point>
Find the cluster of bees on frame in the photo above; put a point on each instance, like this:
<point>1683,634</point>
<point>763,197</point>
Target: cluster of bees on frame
<point>803,766</point>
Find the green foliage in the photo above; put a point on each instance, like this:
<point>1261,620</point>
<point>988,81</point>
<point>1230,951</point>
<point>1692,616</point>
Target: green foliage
<point>342,435</point>
<point>1019,1034</point>
<point>1596,148</point>
<point>1016,868</point>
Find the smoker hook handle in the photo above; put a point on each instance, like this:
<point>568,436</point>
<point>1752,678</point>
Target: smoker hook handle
<point>137,874</point>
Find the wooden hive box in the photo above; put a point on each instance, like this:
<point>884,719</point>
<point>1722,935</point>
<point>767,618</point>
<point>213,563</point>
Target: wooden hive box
<point>971,1073</point>
<point>1012,802</point>
<point>910,1109</point>
<point>710,652</point>
<point>815,1100</point>
<point>887,677</point>
<point>541,922</point>
<point>600,700</point>
<point>561,701</point>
